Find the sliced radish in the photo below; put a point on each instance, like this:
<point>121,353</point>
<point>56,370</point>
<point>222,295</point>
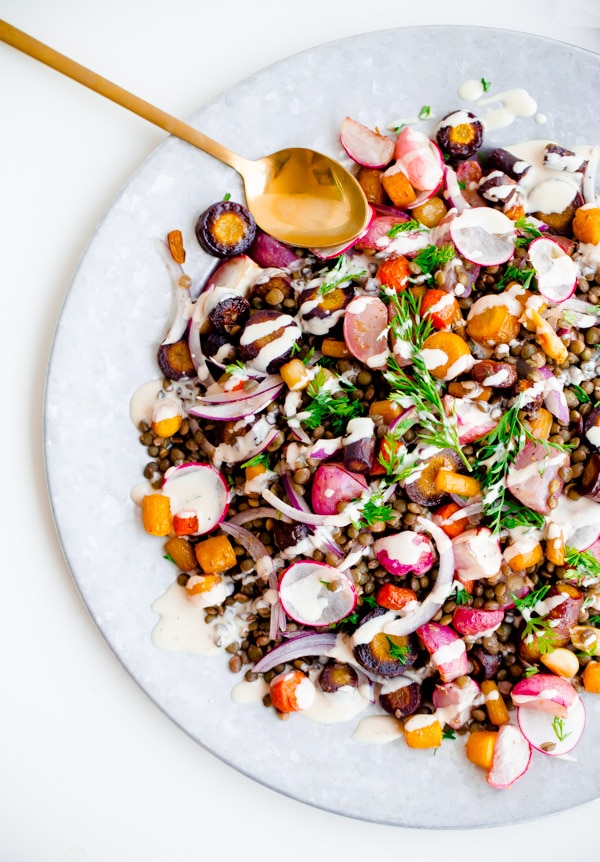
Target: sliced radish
<point>269,252</point>
<point>473,418</point>
<point>316,594</point>
<point>366,331</point>
<point>550,734</point>
<point>198,488</point>
<point>533,470</point>
<point>556,272</point>
<point>476,621</point>
<point>511,758</point>
<point>237,406</point>
<point>484,235</point>
<point>545,692</point>
<point>405,552</point>
<point>238,273</point>
<point>364,146</point>
<point>332,485</point>
<point>453,702</point>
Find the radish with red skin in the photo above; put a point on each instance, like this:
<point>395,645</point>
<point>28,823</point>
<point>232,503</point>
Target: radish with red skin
<point>200,488</point>
<point>530,483</point>
<point>556,272</point>
<point>364,146</point>
<point>550,734</point>
<point>405,552</point>
<point>269,252</point>
<point>421,160</point>
<point>448,652</point>
<point>313,593</point>
<point>332,485</point>
<point>379,236</point>
<point>456,701</point>
<point>366,330</point>
<point>476,621</point>
<point>473,418</point>
<point>545,692</point>
<point>238,273</point>
<point>511,757</point>
<point>476,554</point>
<point>484,236</point>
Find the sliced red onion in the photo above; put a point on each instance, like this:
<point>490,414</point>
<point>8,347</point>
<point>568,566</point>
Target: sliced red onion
<point>304,644</point>
<point>235,408</point>
<point>197,319</point>
<point>227,452</point>
<point>296,499</point>
<point>181,296</point>
<point>341,520</point>
<point>254,514</point>
<point>250,543</point>
<point>270,252</point>
<point>554,396</point>
<point>398,214</point>
<point>224,396</point>
<point>453,193</point>
<point>589,176</point>
<point>434,600</point>
<point>300,434</point>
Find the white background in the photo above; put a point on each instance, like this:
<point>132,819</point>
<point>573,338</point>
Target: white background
<point>90,769</point>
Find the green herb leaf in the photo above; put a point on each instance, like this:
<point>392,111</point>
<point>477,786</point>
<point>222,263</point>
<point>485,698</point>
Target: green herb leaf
<point>448,734</point>
<point>515,514</point>
<point>375,512</point>
<point>523,275</point>
<point>341,273</point>
<point>558,726</point>
<point>541,630</point>
<point>531,599</point>
<point>309,355</point>
<point>236,366</point>
<point>262,458</point>
<point>527,228</point>
<point>584,564</point>
<point>462,597</point>
<point>594,620</point>
<point>462,184</point>
<point>337,409</point>
<point>226,197</point>
<point>398,653</point>
<point>531,671</point>
<point>581,394</point>
<point>486,85</point>
<point>425,112</point>
<point>430,258</point>
<point>405,226</point>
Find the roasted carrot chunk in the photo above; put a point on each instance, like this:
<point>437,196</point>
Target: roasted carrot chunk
<point>156,514</point>
<point>393,597</point>
<point>215,555</point>
<point>480,747</point>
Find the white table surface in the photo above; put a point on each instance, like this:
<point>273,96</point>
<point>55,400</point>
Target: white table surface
<point>90,769</point>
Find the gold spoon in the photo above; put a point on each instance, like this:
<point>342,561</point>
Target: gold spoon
<point>297,195</point>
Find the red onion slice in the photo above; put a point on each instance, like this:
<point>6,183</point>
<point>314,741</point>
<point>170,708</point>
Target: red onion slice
<point>254,514</point>
<point>235,408</point>
<point>341,520</point>
<point>227,397</point>
<point>304,644</point>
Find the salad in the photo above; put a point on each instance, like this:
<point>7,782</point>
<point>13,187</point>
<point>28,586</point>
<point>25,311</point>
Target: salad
<point>376,469</point>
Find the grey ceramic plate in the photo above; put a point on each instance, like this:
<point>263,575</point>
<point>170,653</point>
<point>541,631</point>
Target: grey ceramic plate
<point>116,312</point>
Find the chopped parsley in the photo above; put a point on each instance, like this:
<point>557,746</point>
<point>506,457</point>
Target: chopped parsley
<point>336,409</point>
<point>462,597</point>
<point>531,671</point>
<point>523,275</point>
<point>531,599</point>
<point>425,112</point>
<point>235,367</point>
<point>529,230</point>
<point>542,632</point>
<point>398,653</point>
<point>448,734</point>
<point>375,512</point>
<point>486,85</point>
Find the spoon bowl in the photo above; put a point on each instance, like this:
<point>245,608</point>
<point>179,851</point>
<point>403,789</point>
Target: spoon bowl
<point>297,195</point>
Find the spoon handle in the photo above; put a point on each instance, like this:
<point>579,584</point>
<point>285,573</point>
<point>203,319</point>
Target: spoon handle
<point>39,51</point>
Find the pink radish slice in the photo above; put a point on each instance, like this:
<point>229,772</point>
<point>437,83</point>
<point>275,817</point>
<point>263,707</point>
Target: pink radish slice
<point>473,418</point>
<point>332,485</point>
<point>365,331</point>
<point>235,408</point>
<point>530,483</point>
<point>405,552</point>
<point>364,146</point>
<point>475,621</point>
<point>511,758</point>
<point>199,488</point>
<point>556,272</point>
<point>551,735</point>
<point>484,235</point>
<point>545,692</point>
<point>316,594</point>
<point>455,701</point>
<point>476,554</point>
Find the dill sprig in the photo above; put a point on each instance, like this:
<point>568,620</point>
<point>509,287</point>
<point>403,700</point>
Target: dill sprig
<point>339,274</point>
<point>515,514</point>
<point>558,726</point>
<point>405,226</point>
<point>524,275</point>
<point>324,406</point>
<point>432,257</point>
<point>258,460</point>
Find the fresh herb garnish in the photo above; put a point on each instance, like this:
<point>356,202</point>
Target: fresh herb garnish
<point>309,355</point>
<point>235,367</point>
<point>339,274</point>
<point>375,512</point>
<point>531,671</point>
<point>338,409</point>
<point>462,597</point>
<point>226,197</point>
<point>584,563</point>
<point>542,632</point>
<point>515,514</point>
<point>581,394</point>
<point>558,726</point>
<point>486,85</point>
<point>431,257</point>
<point>405,226</point>
<point>425,112</point>
<point>462,184</point>
<point>398,653</point>
<point>448,734</point>
<point>262,458</point>
<point>169,558</point>
<point>594,620</point>
<point>530,231</point>
<point>523,275</point>
<point>531,599</point>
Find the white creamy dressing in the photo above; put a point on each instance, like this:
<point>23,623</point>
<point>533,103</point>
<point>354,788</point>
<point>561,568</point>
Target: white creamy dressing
<point>244,446</point>
<point>200,491</point>
<point>290,333</point>
<point>181,627</point>
<point>448,652</point>
<point>545,189</point>
<point>307,593</point>
<point>378,730</point>
<point>535,468</point>
<point>315,324</point>
<point>359,428</point>
<point>144,400</point>
<point>208,598</point>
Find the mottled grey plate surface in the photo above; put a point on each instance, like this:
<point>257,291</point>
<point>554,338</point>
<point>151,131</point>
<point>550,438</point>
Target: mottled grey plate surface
<point>116,312</point>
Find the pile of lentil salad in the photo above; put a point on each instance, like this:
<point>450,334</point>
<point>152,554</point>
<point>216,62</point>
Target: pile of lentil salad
<point>396,447</point>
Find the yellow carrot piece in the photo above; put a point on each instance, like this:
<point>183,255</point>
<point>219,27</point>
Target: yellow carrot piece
<point>156,514</point>
<point>456,483</point>
<point>480,747</point>
<point>494,703</point>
